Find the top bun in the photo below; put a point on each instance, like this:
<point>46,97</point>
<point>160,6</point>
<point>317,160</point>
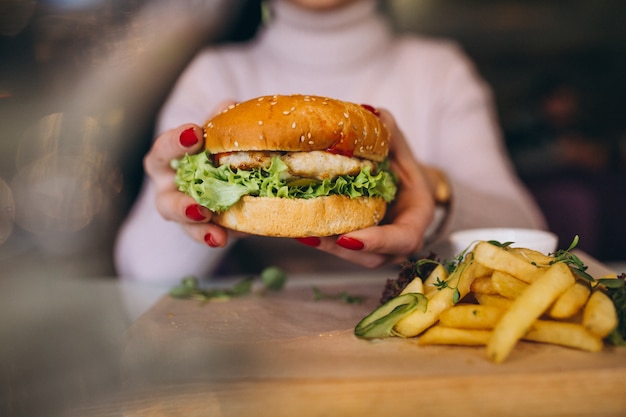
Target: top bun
<point>299,123</point>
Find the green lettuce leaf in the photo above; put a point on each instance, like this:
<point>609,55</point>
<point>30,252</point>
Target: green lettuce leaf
<point>218,188</point>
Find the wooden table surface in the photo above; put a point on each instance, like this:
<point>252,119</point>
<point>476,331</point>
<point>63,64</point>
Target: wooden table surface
<point>286,354</point>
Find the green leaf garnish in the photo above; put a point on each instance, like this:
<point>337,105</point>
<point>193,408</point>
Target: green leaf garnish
<point>273,278</point>
<point>218,188</point>
<point>190,289</point>
<point>342,296</point>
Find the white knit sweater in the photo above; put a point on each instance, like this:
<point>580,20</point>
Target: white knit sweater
<point>438,100</point>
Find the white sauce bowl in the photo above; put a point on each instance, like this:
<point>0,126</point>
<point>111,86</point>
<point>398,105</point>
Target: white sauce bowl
<point>539,240</point>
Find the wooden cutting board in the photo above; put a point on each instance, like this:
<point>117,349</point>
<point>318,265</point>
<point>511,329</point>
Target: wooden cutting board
<point>284,354</point>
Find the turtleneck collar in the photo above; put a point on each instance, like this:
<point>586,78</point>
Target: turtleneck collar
<point>324,40</point>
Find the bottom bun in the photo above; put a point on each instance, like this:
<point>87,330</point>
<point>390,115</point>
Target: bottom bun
<point>284,217</point>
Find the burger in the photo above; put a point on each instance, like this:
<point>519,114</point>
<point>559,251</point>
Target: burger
<point>292,166</point>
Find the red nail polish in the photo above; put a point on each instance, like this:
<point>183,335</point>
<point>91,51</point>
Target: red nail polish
<point>349,243</point>
<point>188,137</point>
<point>193,212</point>
<point>371,108</point>
<point>309,241</point>
<point>208,238</point>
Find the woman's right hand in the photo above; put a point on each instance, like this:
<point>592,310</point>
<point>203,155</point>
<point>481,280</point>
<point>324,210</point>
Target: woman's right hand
<point>171,203</point>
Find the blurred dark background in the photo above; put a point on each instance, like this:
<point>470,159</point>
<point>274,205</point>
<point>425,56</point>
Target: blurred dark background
<point>81,82</point>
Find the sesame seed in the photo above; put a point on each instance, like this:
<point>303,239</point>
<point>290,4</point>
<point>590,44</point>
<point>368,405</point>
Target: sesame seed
<point>346,115</point>
<point>308,135</point>
<point>272,103</point>
<point>302,138</point>
<point>324,102</point>
<point>293,125</point>
<point>236,144</point>
<point>311,142</point>
<point>210,125</point>
<point>292,109</point>
<point>260,122</point>
<point>340,123</point>
<point>232,106</point>
<point>260,137</point>
<point>260,98</point>
<point>286,112</point>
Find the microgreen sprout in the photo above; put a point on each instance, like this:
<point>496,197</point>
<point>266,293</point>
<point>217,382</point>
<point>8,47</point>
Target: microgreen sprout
<point>342,296</point>
<point>272,278</point>
<point>190,289</point>
<point>575,264</point>
<point>424,266</point>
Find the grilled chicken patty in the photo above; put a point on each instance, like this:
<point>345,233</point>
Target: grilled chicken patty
<point>315,164</point>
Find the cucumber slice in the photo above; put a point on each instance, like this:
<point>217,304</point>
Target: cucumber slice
<point>380,322</point>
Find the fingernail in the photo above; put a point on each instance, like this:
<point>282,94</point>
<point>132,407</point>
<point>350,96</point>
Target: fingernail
<point>194,212</point>
<point>188,137</point>
<point>371,108</point>
<point>349,243</point>
<point>309,241</point>
<point>208,238</point>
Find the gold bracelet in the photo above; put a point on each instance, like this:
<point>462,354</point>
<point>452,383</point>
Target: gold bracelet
<point>442,192</point>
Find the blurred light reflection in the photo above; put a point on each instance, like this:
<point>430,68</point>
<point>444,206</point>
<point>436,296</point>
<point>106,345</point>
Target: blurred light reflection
<point>57,193</point>
<point>64,180</point>
<point>7,211</point>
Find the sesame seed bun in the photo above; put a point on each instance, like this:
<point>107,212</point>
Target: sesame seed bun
<point>298,123</point>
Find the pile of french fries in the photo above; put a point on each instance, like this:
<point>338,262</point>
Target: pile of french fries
<point>497,296</point>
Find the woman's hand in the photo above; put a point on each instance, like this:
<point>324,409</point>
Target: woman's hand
<point>406,221</point>
<point>172,204</point>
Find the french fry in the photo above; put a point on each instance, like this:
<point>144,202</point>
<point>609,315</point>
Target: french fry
<point>500,259</point>
<point>439,335</point>
<point>526,308</point>
<point>565,334</point>
<point>533,256</point>
<point>493,301</point>
<point>471,317</point>
<point>599,315</point>
<point>415,286</point>
<point>571,301</point>
<point>497,296</point>
<point>507,285</point>
<point>458,282</point>
<point>439,274</point>
<point>483,285</point>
